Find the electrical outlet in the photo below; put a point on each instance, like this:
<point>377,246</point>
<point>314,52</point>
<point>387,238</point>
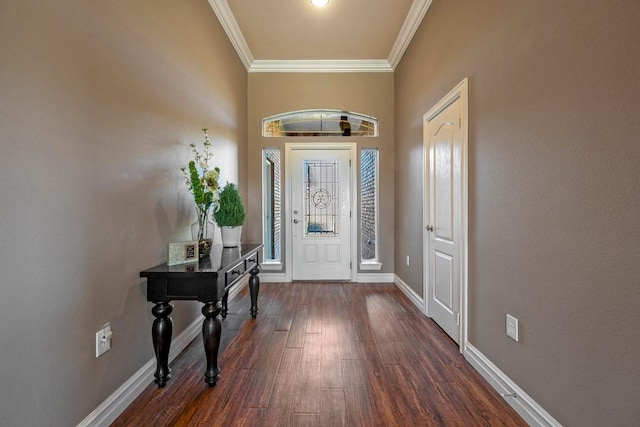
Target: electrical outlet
<point>103,339</point>
<point>512,327</point>
<point>407,260</point>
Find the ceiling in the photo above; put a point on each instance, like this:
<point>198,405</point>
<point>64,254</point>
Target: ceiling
<point>344,36</point>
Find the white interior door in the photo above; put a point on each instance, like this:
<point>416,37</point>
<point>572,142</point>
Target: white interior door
<point>320,211</point>
<point>446,212</point>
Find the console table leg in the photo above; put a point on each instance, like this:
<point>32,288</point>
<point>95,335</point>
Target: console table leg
<point>161,335</point>
<point>211,332</point>
<point>225,305</point>
<point>254,288</point>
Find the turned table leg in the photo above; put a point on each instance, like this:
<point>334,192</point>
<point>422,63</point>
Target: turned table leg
<point>161,335</point>
<point>254,288</point>
<point>211,332</point>
<point>225,305</point>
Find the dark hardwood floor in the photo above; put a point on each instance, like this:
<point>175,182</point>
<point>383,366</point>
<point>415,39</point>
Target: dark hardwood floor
<point>325,354</point>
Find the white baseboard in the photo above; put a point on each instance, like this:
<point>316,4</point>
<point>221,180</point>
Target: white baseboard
<point>416,299</point>
<point>237,288</point>
<point>375,278</point>
<point>114,405</point>
<point>523,404</point>
<point>268,277</point>
<point>120,399</point>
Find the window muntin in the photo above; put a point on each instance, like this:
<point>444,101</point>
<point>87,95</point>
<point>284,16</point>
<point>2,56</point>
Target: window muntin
<point>319,123</point>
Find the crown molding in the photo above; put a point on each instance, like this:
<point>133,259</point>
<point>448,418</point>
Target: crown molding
<point>228,21</point>
<point>321,66</point>
<point>411,23</point>
<point>229,24</point>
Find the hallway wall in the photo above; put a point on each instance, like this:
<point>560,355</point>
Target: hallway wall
<point>99,101</point>
<point>554,190</point>
<point>366,93</point>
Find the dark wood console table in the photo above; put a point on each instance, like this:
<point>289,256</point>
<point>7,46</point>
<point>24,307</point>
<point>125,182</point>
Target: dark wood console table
<point>207,281</point>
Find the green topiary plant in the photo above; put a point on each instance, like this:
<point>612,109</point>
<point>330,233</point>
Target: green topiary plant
<point>230,212</point>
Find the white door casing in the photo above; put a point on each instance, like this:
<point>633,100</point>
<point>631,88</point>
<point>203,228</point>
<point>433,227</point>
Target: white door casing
<point>445,213</point>
<point>320,225</point>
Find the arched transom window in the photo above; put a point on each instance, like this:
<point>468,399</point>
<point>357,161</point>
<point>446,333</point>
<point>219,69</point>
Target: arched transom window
<point>319,123</point>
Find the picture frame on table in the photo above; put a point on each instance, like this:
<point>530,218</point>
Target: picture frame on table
<point>182,252</point>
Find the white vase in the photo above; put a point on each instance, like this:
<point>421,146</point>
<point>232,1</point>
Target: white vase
<point>231,236</point>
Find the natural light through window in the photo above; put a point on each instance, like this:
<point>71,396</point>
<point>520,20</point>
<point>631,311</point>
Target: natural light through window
<point>334,123</point>
<point>271,208</point>
<point>369,259</point>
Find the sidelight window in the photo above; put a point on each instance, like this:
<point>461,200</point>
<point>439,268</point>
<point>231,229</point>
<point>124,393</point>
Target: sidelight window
<point>369,257</point>
<point>271,205</point>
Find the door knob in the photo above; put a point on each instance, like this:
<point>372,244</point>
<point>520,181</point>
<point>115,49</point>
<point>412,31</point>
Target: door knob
<point>295,221</point>
<point>429,227</point>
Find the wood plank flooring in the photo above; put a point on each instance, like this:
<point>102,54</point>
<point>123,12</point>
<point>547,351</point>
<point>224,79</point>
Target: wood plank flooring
<point>325,354</point>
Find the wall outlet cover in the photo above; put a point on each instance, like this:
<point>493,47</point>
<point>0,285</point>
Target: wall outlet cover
<point>512,327</point>
<point>103,340</point>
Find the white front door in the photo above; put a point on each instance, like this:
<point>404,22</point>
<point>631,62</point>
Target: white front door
<point>320,213</point>
<point>445,214</point>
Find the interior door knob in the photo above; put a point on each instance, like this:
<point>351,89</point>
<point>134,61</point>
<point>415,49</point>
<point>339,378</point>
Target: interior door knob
<point>295,221</point>
<point>429,227</point>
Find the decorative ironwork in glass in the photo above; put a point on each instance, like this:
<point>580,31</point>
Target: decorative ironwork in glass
<point>321,201</point>
<point>319,123</point>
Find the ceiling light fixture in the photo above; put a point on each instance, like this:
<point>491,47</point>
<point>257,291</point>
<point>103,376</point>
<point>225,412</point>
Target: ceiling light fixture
<point>319,3</point>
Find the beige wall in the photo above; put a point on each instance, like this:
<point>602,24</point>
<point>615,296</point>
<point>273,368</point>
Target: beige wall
<point>554,190</point>
<point>98,102</point>
<point>274,93</point>
<point>100,99</point>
